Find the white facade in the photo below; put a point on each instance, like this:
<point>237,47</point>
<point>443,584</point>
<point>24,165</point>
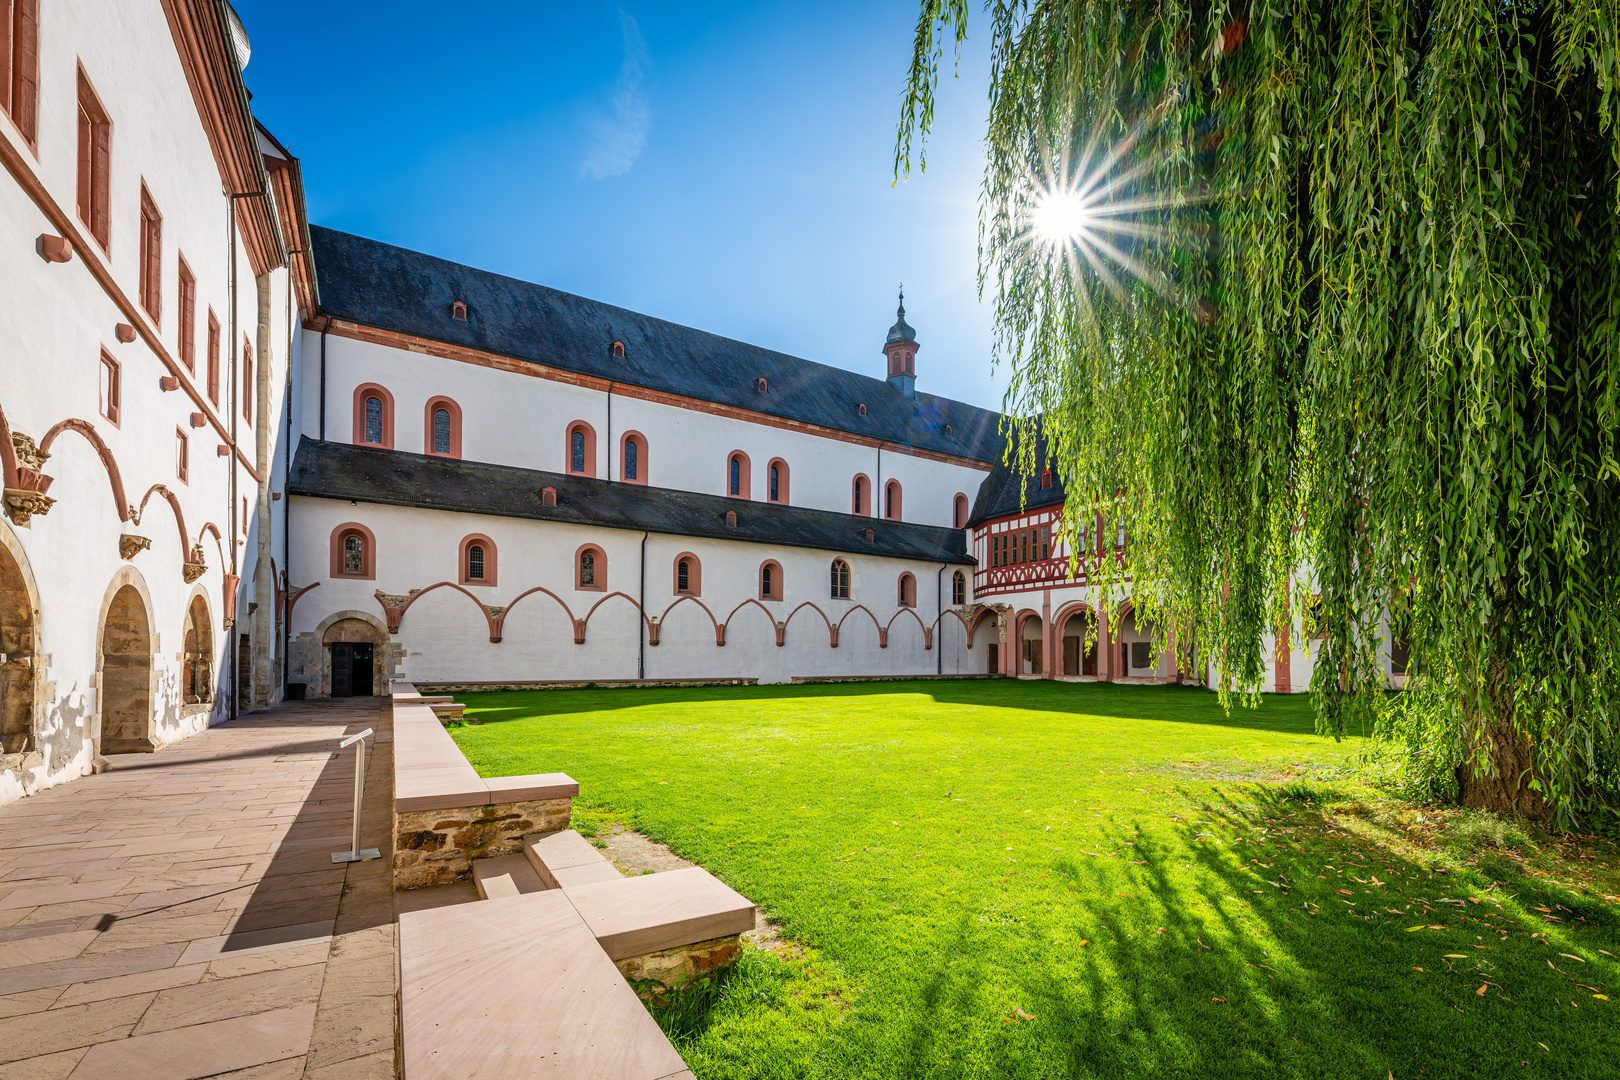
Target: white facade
<point>74,574</point>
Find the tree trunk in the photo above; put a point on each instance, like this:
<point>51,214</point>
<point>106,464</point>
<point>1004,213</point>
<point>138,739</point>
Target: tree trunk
<point>1505,786</point>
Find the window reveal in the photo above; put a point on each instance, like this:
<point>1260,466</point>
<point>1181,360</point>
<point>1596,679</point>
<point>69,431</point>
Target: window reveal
<point>475,561</point>
<point>374,420</point>
<point>576,451</point>
<point>587,566</point>
<point>630,462</point>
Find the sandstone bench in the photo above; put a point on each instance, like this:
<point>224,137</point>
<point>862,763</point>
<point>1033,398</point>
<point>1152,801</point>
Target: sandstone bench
<point>532,980</point>
<point>519,987</point>
<point>445,814</point>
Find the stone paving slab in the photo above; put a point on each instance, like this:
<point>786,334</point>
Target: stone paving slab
<point>179,916</point>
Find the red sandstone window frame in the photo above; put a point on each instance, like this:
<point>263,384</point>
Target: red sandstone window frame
<point>93,167</point>
<point>860,488</point>
<point>368,552</point>
<point>464,566</point>
<point>588,448</point>
<point>694,575</point>
<point>151,264</point>
<point>599,568</point>
<point>745,485</point>
<point>434,404</point>
<point>960,509</point>
<point>842,584</point>
<point>213,357</point>
<point>19,97</point>
<point>247,380</point>
<point>774,568</point>
<point>906,590</point>
<point>110,388</point>
<point>186,330</point>
<point>892,493</point>
<point>380,392</point>
<point>780,495</point>
<point>640,441</point>
<point>182,456</point>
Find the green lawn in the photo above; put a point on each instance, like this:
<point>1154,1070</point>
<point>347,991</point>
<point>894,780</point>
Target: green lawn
<point>1024,879</point>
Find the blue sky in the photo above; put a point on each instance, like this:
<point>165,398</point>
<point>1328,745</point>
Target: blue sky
<point>726,166</point>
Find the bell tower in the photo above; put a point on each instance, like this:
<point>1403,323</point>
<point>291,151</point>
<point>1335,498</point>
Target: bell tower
<point>901,349</point>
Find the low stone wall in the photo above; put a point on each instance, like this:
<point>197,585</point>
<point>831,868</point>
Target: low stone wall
<point>435,847</point>
<point>657,976</point>
<point>576,684</point>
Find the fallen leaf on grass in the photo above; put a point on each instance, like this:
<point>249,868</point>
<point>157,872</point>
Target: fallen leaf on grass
<point>1544,1046</point>
<point>1415,929</point>
<point>1084,942</point>
<point>1455,956</point>
<point>1222,1000</point>
<point>1481,990</point>
<point>1571,956</point>
<point>1601,997</point>
<point>1346,892</point>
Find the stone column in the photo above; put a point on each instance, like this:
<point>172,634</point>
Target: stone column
<point>1049,658</point>
<point>1105,646</point>
<point>264,578</point>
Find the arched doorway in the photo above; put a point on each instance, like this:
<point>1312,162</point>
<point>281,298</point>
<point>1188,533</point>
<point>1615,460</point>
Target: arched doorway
<point>352,658</point>
<point>125,681</point>
<point>1080,642</point>
<point>17,649</point>
<point>1030,633</point>
<point>197,663</point>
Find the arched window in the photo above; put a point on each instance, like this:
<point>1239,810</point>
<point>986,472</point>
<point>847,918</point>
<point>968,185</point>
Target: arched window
<point>354,552</point>
<point>581,449</point>
<point>738,485</point>
<point>908,591</point>
<point>618,348</point>
<point>776,481</point>
<point>860,501</point>
<point>477,560</point>
<point>373,416</point>
<point>688,575</point>
<point>633,458</point>
<point>891,500</point>
<point>590,568</point>
<point>770,580</point>
<point>840,579</point>
<point>960,511</point>
<point>959,588</point>
<point>442,434</point>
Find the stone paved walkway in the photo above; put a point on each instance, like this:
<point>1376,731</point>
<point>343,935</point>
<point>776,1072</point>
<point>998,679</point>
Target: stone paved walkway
<point>180,916</point>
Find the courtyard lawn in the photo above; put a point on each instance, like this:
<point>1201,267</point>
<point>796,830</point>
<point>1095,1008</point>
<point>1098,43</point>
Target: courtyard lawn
<point>1029,879</point>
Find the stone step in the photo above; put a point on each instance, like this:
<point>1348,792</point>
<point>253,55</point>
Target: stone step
<point>640,915</point>
<point>519,987</point>
<point>566,858</point>
<point>505,875</point>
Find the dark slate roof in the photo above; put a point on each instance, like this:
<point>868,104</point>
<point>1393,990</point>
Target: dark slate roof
<point>371,474</point>
<point>391,288</point>
<point>999,493</point>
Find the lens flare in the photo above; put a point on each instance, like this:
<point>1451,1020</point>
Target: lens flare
<point>1061,216</point>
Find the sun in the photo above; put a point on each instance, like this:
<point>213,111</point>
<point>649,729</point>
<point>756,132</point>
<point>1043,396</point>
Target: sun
<point>1061,216</point>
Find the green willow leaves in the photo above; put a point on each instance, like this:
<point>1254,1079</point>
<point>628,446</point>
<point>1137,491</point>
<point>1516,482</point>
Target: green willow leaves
<point>1344,327</point>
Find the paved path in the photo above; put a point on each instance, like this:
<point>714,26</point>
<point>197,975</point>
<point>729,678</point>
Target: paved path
<point>180,916</point>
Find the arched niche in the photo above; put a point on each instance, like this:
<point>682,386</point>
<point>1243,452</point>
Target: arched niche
<point>20,647</point>
<point>197,663</point>
<point>124,695</point>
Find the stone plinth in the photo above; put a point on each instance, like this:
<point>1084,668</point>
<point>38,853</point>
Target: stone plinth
<point>433,847</point>
<point>657,976</point>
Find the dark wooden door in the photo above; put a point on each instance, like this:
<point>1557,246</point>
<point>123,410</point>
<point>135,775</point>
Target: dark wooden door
<point>995,658</point>
<point>342,669</point>
<point>360,669</point>
<point>1071,656</point>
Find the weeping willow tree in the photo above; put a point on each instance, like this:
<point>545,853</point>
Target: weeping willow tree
<point>1319,300</point>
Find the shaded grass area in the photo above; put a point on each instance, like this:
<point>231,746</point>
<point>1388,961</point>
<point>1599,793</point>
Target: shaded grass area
<point>1028,879</point>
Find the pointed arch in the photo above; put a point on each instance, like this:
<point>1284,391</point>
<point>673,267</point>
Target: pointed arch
<point>719,630</point>
<point>883,633</point>
<point>179,517</point>
<point>780,628</point>
<point>953,613</point>
<point>219,541</point>
<point>107,460</point>
<point>581,624</point>
<point>832,631</point>
<point>398,614</point>
<point>928,634</point>
<point>979,616</point>
<point>573,624</point>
